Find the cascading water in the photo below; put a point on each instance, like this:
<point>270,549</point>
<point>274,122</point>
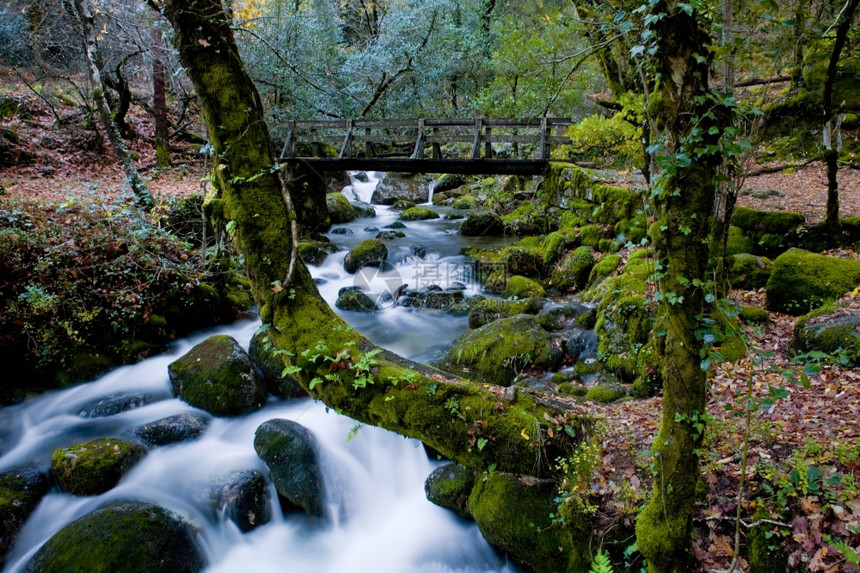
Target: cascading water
<point>378,518</point>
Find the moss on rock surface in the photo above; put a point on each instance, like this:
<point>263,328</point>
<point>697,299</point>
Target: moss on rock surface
<point>748,271</point>
<point>514,514</point>
<point>94,467</point>
<point>418,214</point>
<point>339,208</point>
<point>801,281</point>
<point>832,329</point>
<point>491,309</point>
<point>315,252</point>
<point>353,299</point>
<point>606,394</point>
<point>270,361</point>
<point>496,352</point>
<point>482,224</point>
<point>21,490</point>
<point>522,287</point>
<point>572,272</point>
<point>218,376</point>
<point>449,486</point>
<point>125,536</point>
<point>369,253</point>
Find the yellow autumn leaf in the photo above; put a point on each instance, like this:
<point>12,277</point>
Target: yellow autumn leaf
<point>524,435</point>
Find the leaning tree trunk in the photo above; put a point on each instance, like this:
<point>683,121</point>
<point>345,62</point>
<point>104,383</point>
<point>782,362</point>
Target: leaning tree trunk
<point>517,432</point>
<point>83,17</point>
<point>684,196</point>
<point>831,148</point>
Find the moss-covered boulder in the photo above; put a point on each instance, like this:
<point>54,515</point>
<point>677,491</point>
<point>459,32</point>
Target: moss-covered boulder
<point>482,225</point>
<point>94,467</point>
<point>218,376</point>
<point>603,268</point>
<point>465,202</point>
<point>514,513</point>
<point>352,298</point>
<point>525,261</point>
<point>291,454</point>
<point>449,486</point>
<point>522,287</point>
<point>498,351</point>
<point>125,536</point>
<point>491,309</point>
<point>833,329</point>
<point>558,243</point>
<point>339,208</point>
<point>21,490</point>
<point>172,429</point>
<point>801,281</point>
<point>571,273</point>
<point>753,315</point>
<point>315,252</point>
<point>606,394</point>
<point>270,361</point>
<point>528,219</point>
<point>748,271</point>
<point>766,233</point>
<point>241,496</point>
<point>369,253</point>
<point>560,316</point>
<point>418,214</point>
<point>394,186</point>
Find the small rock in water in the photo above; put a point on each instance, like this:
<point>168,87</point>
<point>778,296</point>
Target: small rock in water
<point>341,231</point>
<point>395,225</point>
<point>172,429</point>
<point>418,251</point>
<point>116,404</point>
<point>371,229</point>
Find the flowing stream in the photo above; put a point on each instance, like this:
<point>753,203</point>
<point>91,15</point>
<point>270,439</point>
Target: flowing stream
<point>379,518</point>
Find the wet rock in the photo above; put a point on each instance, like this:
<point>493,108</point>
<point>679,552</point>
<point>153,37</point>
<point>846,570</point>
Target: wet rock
<point>395,225</point>
<point>218,376</point>
<point>315,252</point>
<point>488,310</point>
<point>339,208</point>
<point>172,429</point>
<point>290,452</point>
<point>125,536</point>
<point>390,235</point>
<point>394,186</point>
<point>482,224</point>
<point>265,355</point>
<point>116,404</point>
<point>581,344</point>
<point>418,214</point>
<point>369,253</point>
<point>21,490</point>
<point>418,251</point>
<point>352,298</point>
<point>91,468</point>
<point>449,486</point>
<point>341,231</point>
<point>498,351</point>
<point>371,229</point>
<point>243,497</point>
<point>559,317</point>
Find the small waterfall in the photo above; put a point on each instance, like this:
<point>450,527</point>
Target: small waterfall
<point>431,188</point>
<point>361,191</point>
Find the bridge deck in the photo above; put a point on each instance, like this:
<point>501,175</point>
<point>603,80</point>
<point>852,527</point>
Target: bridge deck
<point>490,146</point>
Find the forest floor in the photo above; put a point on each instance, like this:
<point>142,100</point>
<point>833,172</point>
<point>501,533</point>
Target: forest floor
<point>803,470</point>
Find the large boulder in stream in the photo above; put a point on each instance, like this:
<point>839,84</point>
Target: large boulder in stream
<point>498,351</point>
<point>339,208</point>
<point>172,429</point>
<point>217,376</point>
<point>269,359</point>
<point>394,186</point>
<point>21,490</point>
<point>369,253</point>
<point>449,486</point>
<point>521,516</point>
<point>291,454</point>
<point>418,214</point>
<point>242,496</point>
<point>125,536</point>
<point>94,467</point>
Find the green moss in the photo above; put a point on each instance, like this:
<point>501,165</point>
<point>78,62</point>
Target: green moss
<point>496,352</point>
<point>738,243</point>
<point>482,224</point>
<point>522,287</point>
<point>449,486</point>
<point>773,222</point>
<point>606,394</point>
<point>418,214</point>
<point>572,389</point>
<point>590,235</point>
<point>754,315</point>
<point>491,309</point>
<point>94,467</point>
<point>524,261</point>
<point>369,253</point>
<point>572,272</point>
<point>496,281</point>
<point>832,331</point>
<point>801,281</point>
<point>766,546</point>
<point>465,202</point>
<point>123,536</point>
<point>603,268</point>
<point>527,219</point>
<point>513,514</point>
<point>559,243</point>
<point>748,271</point>
<point>339,208</point>
<point>402,205</point>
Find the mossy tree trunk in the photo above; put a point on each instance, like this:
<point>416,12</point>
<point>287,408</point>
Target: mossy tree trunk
<point>159,103</point>
<point>831,147</point>
<point>466,422</point>
<point>685,111</point>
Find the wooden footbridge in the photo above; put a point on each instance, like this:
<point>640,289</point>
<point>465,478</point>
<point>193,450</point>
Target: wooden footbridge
<point>480,146</point>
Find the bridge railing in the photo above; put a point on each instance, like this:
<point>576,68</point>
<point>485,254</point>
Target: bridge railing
<point>425,138</point>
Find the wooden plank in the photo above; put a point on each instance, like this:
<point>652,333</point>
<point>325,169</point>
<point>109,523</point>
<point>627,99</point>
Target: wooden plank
<point>418,152</point>
<point>346,148</point>
<point>476,142</point>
